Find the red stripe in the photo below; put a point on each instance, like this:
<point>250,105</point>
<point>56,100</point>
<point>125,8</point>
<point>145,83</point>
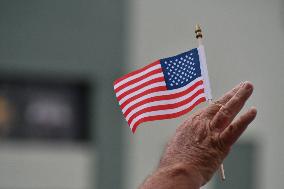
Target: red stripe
<point>159,79</point>
<point>167,116</point>
<point>152,90</point>
<point>136,72</point>
<point>162,97</point>
<point>166,106</point>
<point>138,79</point>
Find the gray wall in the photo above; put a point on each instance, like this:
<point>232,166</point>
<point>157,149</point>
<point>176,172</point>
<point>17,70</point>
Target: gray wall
<point>71,39</point>
<point>244,41</point>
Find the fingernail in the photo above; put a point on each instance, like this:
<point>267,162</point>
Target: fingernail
<point>253,110</point>
<point>247,85</point>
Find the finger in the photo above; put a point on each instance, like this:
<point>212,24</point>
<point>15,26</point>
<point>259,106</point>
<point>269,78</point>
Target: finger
<point>228,112</point>
<point>230,135</point>
<point>213,108</point>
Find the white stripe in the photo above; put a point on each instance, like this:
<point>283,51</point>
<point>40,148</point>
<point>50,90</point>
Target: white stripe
<point>155,67</point>
<point>158,84</point>
<point>164,102</point>
<point>139,83</point>
<point>159,93</point>
<point>204,72</point>
<point>168,111</point>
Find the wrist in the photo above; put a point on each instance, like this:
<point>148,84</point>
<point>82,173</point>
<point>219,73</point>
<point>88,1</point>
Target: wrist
<point>185,174</point>
<point>191,172</point>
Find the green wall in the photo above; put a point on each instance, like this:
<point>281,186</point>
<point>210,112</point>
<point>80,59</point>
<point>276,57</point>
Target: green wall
<point>239,167</point>
<point>76,40</point>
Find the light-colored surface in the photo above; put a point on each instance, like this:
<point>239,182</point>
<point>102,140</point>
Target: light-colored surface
<point>45,166</point>
<point>244,41</point>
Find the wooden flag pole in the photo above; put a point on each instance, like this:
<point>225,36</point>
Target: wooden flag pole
<point>199,36</point>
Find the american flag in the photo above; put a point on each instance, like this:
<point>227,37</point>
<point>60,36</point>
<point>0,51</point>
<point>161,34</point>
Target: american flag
<point>164,89</point>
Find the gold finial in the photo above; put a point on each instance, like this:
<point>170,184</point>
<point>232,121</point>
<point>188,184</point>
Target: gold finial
<point>198,31</point>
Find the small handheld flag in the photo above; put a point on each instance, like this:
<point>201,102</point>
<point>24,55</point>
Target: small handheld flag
<point>164,89</point>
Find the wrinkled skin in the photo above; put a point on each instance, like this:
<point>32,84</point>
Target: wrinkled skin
<point>202,142</point>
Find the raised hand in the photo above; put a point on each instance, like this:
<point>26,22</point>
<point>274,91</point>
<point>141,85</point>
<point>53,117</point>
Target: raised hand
<point>202,142</point>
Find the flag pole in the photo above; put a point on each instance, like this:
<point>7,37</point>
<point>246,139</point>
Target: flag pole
<point>199,36</point>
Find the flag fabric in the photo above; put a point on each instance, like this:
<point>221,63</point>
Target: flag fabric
<point>164,89</point>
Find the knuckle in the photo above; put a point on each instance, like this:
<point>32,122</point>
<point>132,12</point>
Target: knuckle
<point>217,102</point>
<point>226,112</point>
<point>217,142</point>
<point>231,128</point>
<point>220,143</point>
<point>238,96</point>
<point>210,126</point>
<point>196,119</point>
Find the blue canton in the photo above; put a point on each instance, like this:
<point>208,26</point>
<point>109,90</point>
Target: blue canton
<point>181,69</point>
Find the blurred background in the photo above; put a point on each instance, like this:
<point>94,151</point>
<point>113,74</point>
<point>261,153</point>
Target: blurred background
<point>60,125</point>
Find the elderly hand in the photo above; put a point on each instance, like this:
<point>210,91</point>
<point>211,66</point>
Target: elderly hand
<point>202,142</point>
